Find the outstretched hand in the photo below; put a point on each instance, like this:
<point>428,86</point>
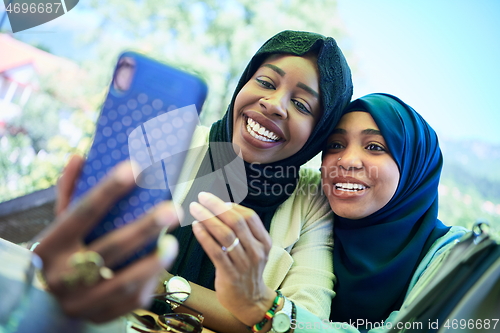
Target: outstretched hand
<point>238,281</point>
<point>130,287</point>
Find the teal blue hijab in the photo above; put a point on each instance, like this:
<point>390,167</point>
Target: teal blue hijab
<point>375,257</point>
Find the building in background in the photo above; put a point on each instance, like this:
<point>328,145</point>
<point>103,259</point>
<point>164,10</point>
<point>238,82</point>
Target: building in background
<point>24,70</point>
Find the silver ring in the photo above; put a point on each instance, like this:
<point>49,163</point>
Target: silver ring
<point>340,158</point>
<point>232,246</point>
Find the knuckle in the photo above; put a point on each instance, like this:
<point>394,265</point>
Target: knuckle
<point>228,239</point>
<point>149,229</point>
<point>218,256</point>
<point>235,221</point>
<point>84,208</point>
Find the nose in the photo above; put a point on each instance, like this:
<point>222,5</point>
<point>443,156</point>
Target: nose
<point>350,158</point>
<point>275,105</point>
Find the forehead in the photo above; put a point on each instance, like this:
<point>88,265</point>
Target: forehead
<point>304,64</point>
<point>357,120</point>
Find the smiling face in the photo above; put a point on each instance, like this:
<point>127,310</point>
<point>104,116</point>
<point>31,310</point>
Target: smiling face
<point>366,177</point>
<point>276,110</point>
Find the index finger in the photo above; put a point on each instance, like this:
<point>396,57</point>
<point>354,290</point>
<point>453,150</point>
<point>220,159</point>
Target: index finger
<point>252,222</point>
<point>66,184</point>
<point>76,222</point>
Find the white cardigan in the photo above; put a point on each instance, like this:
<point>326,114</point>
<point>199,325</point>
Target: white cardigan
<point>300,262</point>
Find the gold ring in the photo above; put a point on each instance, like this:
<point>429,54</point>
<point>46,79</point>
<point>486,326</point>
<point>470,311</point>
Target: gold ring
<point>232,246</point>
<point>87,268</point>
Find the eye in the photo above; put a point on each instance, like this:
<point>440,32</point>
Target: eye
<point>334,146</point>
<point>300,106</point>
<point>375,147</point>
<point>265,84</point>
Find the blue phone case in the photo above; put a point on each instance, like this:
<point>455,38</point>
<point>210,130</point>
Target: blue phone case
<point>151,121</point>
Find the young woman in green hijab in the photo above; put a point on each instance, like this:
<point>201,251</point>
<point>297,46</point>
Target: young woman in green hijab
<point>290,94</point>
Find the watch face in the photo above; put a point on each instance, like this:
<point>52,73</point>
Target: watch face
<point>180,286</point>
<point>281,322</point>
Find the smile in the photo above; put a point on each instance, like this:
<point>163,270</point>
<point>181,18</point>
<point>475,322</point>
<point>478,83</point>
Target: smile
<point>260,132</point>
<point>349,187</point>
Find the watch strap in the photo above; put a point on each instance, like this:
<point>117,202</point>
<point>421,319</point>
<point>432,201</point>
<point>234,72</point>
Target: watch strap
<point>288,309</point>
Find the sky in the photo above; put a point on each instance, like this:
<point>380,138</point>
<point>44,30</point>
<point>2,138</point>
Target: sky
<point>442,57</point>
<point>439,56</point>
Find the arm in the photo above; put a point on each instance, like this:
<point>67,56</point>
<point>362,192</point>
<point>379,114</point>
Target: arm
<point>130,287</point>
<point>248,281</point>
<point>309,279</point>
<point>238,282</point>
<point>425,271</point>
<point>205,300</point>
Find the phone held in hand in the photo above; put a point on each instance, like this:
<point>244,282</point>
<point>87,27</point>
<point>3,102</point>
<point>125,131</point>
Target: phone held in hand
<point>149,115</point>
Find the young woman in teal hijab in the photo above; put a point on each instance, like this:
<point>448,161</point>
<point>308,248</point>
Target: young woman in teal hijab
<point>380,174</point>
<point>378,245</point>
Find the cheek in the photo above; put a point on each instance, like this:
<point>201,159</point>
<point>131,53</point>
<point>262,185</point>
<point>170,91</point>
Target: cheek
<point>391,179</point>
<point>302,130</point>
<point>243,97</point>
<point>237,105</point>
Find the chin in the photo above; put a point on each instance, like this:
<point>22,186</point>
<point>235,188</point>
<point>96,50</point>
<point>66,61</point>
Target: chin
<point>350,214</point>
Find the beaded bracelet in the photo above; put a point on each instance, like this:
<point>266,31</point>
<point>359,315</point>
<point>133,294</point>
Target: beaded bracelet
<point>294,312</point>
<point>269,313</point>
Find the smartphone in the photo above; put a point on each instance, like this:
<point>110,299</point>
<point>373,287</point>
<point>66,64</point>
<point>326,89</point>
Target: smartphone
<point>149,115</point>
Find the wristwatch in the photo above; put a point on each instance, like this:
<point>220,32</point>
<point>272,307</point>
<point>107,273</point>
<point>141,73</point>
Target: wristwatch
<point>282,320</point>
<point>181,289</point>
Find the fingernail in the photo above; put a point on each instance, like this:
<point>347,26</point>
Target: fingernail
<point>197,226</point>
<point>204,195</point>
<point>167,214</point>
<point>124,174</point>
<point>195,207</point>
<point>168,247</point>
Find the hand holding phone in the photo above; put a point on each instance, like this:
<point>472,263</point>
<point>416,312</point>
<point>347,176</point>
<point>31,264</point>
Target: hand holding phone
<point>149,116</point>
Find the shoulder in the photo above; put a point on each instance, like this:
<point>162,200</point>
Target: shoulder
<point>201,134</point>
<point>308,194</point>
<point>307,203</point>
<point>309,176</point>
<point>435,256</point>
<point>445,242</point>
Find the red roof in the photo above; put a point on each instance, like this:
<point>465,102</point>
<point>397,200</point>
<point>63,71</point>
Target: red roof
<point>15,53</point>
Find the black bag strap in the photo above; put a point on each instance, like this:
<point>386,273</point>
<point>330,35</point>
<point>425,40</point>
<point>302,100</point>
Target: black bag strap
<point>463,266</point>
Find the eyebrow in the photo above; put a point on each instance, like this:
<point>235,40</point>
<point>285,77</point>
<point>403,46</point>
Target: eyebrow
<point>368,131</point>
<point>308,89</point>
<point>300,84</point>
<point>276,69</point>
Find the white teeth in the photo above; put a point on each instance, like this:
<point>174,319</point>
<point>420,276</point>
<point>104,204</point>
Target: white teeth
<point>259,137</point>
<point>260,132</point>
<point>352,187</point>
